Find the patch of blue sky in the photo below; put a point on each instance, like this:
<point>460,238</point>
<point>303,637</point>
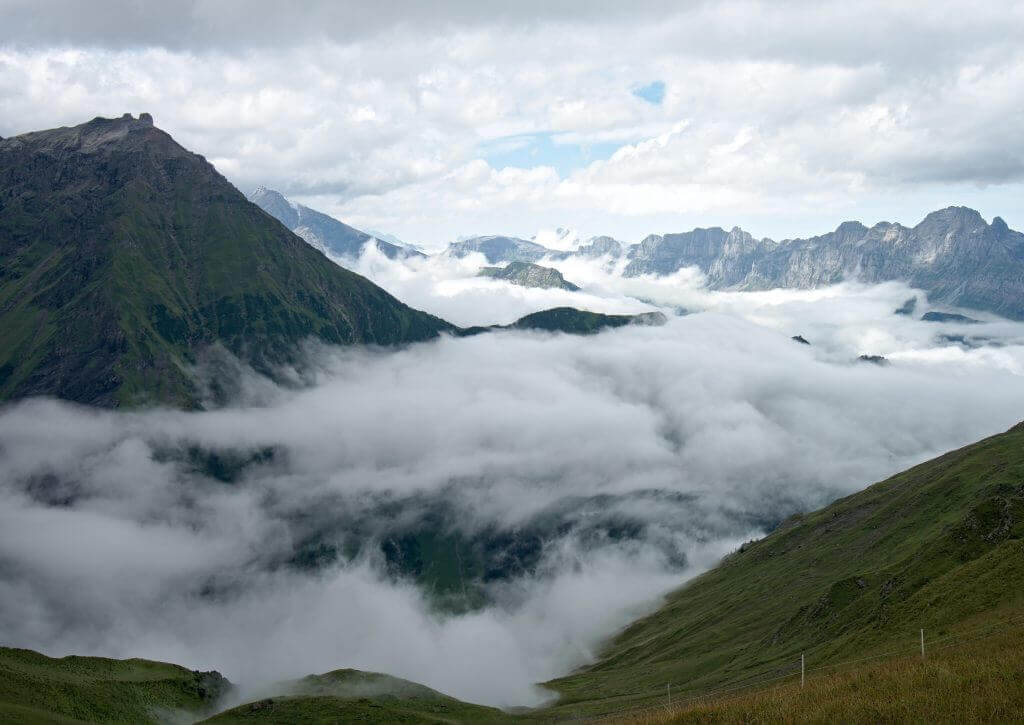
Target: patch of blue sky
<point>544,149</point>
<point>653,92</point>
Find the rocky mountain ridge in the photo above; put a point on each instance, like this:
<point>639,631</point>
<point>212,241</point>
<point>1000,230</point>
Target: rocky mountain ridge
<point>322,231</point>
<point>952,254</point>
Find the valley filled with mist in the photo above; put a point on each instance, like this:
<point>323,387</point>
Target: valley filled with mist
<point>476,514</point>
<point>462,362</point>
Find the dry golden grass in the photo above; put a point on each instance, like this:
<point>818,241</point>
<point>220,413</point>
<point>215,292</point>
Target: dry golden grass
<point>967,680</point>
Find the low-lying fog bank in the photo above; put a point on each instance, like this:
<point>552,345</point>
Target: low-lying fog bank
<point>474,514</point>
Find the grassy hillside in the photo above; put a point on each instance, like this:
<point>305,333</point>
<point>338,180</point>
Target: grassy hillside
<point>934,547</point>
<point>122,255</point>
<point>351,695</point>
<point>39,689</point>
<point>973,680</point>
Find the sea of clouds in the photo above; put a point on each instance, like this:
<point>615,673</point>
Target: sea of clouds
<point>699,435</point>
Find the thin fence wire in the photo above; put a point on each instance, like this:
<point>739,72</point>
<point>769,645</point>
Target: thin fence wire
<point>758,684</point>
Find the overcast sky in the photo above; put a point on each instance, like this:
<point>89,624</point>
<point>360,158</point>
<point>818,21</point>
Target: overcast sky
<point>435,120</point>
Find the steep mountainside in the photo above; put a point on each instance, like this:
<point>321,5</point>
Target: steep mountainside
<point>952,254</point>
<point>529,275</point>
<point>122,255</point>
<point>939,547</point>
<point>322,231</point>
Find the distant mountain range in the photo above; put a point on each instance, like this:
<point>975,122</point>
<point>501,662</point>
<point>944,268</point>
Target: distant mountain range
<point>953,255</point>
<point>325,232</point>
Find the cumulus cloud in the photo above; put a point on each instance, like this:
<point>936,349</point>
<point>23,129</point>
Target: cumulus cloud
<point>610,468</point>
<point>781,115</point>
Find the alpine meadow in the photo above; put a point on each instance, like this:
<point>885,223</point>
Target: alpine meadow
<point>463,362</point>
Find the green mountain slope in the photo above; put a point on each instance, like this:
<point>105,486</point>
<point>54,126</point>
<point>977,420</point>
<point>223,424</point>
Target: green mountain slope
<point>122,255</point>
<point>39,689</point>
<point>936,547</point>
<point>352,695</point>
<point>976,681</point>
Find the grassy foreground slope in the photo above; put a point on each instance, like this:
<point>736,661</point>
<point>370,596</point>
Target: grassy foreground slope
<point>39,689</point>
<point>971,680</point>
<point>934,547</point>
<point>352,695</point>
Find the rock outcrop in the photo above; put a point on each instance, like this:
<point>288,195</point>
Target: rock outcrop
<point>526,274</point>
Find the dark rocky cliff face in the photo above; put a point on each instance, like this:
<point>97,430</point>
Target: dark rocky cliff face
<point>122,255</point>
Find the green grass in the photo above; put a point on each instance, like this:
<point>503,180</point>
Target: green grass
<point>976,679</point>
<point>932,547</point>
<point>39,689</point>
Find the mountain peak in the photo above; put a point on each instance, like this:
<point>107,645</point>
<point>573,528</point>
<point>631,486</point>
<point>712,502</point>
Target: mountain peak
<point>124,121</point>
<point>134,256</point>
<point>851,227</point>
<point>962,216</point>
<point>104,136</point>
<point>262,191</point>
<point>275,204</point>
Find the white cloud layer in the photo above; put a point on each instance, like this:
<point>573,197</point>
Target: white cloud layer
<point>694,437</point>
<point>783,117</point>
